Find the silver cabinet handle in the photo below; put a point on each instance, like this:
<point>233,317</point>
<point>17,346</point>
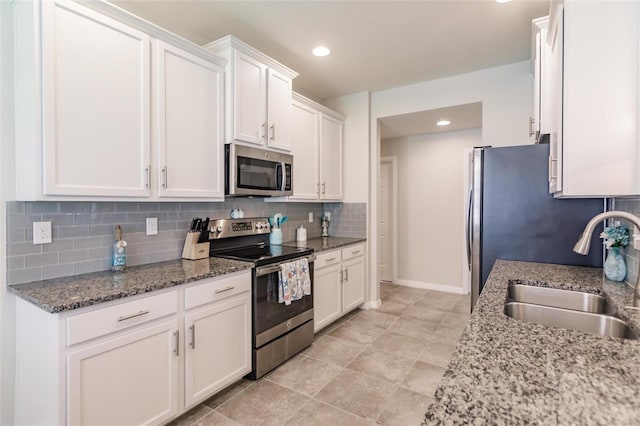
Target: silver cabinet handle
<point>128,317</point>
<point>532,121</point>
<point>355,252</point>
<point>224,289</point>
<point>193,336</point>
<point>346,275</point>
<point>323,187</point>
<point>147,172</point>
<point>164,176</point>
<point>273,132</point>
<point>331,259</point>
<point>551,161</point>
<point>341,275</point>
<point>263,133</point>
<point>177,349</point>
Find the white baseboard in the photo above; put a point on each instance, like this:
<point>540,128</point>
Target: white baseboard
<point>371,305</point>
<point>431,286</point>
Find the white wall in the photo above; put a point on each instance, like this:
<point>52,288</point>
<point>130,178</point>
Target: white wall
<point>506,94</point>
<point>431,206</point>
<point>7,320</point>
<point>356,144</point>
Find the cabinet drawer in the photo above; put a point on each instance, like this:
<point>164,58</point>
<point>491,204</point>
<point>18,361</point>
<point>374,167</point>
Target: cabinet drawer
<point>327,258</point>
<point>119,317</point>
<point>352,251</point>
<point>216,289</point>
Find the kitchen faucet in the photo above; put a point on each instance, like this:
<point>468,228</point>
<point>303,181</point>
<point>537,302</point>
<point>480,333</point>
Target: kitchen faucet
<point>583,244</point>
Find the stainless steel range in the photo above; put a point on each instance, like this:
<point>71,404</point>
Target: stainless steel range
<point>279,330</point>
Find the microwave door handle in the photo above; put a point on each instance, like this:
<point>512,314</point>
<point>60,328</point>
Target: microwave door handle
<point>275,184</point>
<point>282,170</point>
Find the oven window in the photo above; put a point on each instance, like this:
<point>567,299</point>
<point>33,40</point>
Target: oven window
<point>267,312</point>
<point>257,174</point>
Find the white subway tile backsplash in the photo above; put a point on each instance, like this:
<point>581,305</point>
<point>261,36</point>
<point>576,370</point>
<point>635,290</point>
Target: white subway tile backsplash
<point>83,232</point>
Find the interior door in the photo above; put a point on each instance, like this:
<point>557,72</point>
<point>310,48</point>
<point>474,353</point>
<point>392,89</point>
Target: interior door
<point>384,224</point>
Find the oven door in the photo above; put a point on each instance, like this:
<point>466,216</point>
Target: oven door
<point>253,171</point>
<point>270,318</point>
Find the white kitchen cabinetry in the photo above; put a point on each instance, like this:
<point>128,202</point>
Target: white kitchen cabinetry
<point>339,277</point>
<point>259,95</point>
<point>218,328</point>
<point>540,122</point>
<point>316,145</point>
<point>84,114</point>
<point>189,134</point>
<point>594,135</point>
<point>137,355</point>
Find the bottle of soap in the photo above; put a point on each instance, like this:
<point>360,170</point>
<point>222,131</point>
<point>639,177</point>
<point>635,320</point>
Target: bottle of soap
<point>119,257</point>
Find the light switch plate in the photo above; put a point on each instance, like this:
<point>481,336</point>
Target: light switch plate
<point>310,217</point>
<point>152,226</point>
<point>41,232</point>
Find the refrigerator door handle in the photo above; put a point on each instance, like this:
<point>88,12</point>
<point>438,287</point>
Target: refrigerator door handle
<point>469,204</point>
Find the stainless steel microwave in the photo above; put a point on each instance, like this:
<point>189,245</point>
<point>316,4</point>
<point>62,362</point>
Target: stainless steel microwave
<point>257,172</point>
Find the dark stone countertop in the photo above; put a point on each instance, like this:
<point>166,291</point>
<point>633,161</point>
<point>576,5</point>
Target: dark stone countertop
<point>73,292</point>
<point>510,372</point>
<point>320,244</point>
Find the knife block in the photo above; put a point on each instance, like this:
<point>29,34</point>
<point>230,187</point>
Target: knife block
<point>193,250</point>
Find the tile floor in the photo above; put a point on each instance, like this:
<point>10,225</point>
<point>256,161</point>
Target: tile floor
<point>370,367</point>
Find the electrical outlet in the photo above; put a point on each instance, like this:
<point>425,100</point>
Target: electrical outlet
<point>310,217</point>
<point>152,226</point>
<point>41,232</point>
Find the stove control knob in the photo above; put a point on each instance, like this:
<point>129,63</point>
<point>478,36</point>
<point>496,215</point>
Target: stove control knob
<point>217,229</point>
<point>258,225</point>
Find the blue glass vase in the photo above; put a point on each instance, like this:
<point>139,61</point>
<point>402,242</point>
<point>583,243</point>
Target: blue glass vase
<point>614,267</point>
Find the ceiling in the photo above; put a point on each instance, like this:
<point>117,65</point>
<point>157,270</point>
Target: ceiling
<point>375,44</point>
<point>467,116</point>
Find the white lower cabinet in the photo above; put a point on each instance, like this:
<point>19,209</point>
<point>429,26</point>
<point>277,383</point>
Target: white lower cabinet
<point>129,379</point>
<point>144,360</point>
<point>339,277</point>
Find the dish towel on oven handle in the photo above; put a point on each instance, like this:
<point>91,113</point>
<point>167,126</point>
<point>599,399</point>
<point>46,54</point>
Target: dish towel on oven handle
<point>294,281</point>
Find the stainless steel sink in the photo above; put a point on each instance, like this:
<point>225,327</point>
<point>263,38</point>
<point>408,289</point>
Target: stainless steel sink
<point>604,325</point>
<point>566,299</point>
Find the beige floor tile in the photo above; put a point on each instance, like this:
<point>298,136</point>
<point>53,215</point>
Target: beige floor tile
<point>386,286</point>
<point>393,308</point>
<point>404,408</point>
<point>215,419</point>
<point>398,297</point>
<point>317,413</point>
<point>338,323</point>
<point>333,350</point>
<point>191,416</point>
<point>439,304</point>
<point>374,317</point>
<point>425,313</point>
<point>455,319</point>
<point>399,345</point>
<point>382,365</point>
<point>363,333</point>
<point>265,403</point>
<point>414,328</point>
<point>358,394</point>
<point>447,339</point>
<point>453,333</point>
<point>305,375</point>
<point>228,393</point>
<point>423,378</point>
<point>462,307</point>
<point>437,354</point>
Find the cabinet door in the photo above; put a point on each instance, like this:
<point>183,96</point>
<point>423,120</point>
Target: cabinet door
<point>304,148</point>
<point>330,158</point>
<point>217,346</point>
<point>131,379</point>
<point>327,297</point>
<point>278,110</point>
<point>555,134</point>
<point>188,111</point>
<point>96,79</point>
<point>352,284</point>
<point>249,100</point>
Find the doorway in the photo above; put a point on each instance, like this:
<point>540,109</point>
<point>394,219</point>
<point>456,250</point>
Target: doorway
<point>387,225</point>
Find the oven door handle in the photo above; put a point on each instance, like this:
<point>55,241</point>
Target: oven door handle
<point>266,270</point>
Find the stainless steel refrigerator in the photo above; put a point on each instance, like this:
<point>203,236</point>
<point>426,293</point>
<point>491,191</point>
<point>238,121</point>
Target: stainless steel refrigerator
<point>511,215</point>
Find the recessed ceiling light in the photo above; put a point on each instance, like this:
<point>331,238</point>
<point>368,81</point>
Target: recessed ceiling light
<point>321,51</point>
<point>443,122</point>
<point>503,1</point>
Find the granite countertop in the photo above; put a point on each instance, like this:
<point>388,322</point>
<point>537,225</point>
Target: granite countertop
<point>511,372</point>
<point>68,293</point>
<point>320,244</point>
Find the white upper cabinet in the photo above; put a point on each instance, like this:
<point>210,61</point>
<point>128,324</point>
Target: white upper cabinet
<point>594,133</point>
<point>316,145</point>
<point>189,125</point>
<point>259,88</point>
<point>95,104</point>
<point>540,122</point>
<point>89,91</point>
